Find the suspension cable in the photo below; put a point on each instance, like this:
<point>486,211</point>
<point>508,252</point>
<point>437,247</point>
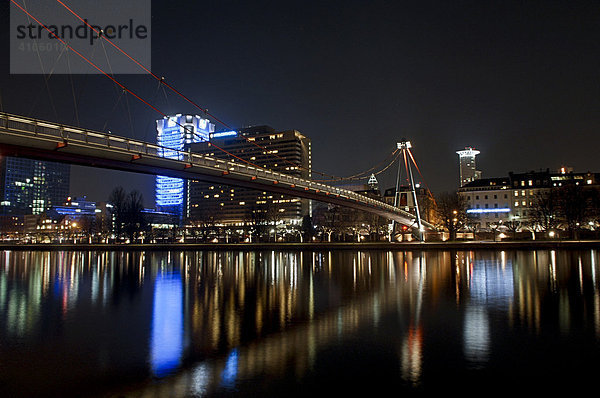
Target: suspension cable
<point>364,173</point>
<point>119,83</point>
<point>422,179</point>
<point>161,79</point>
<point>396,154</point>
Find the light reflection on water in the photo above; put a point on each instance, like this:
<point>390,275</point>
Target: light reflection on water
<point>167,323</point>
<point>224,322</point>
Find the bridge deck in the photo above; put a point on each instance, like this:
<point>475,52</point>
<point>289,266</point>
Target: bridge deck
<point>28,137</point>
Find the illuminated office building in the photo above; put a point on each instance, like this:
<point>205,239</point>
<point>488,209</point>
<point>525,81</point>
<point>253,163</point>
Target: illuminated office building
<point>32,186</point>
<point>283,151</point>
<point>177,133</point>
<point>467,170</point>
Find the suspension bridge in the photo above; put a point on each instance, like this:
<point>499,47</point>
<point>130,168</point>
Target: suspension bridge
<point>39,139</point>
<point>28,137</point>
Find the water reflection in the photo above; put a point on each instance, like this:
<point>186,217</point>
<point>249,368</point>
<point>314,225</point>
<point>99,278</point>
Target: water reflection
<point>167,323</point>
<point>207,322</point>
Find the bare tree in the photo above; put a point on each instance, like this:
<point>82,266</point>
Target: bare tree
<point>544,212</point>
<point>574,207</point>
<point>127,212</point>
<point>451,211</point>
<point>134,221</point>
<point>472,225</point>
<point>513,226</point>
<point>117,200</point>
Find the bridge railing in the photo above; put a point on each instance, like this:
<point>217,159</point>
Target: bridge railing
<point>135,147</point>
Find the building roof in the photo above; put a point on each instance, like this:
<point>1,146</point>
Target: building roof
<point>488,183</point>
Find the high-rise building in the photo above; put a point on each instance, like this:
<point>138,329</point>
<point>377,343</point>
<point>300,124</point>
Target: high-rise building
<point>30,186</point>
<point>284,151</point>
<point>177,133</point>
<point>467,168</point>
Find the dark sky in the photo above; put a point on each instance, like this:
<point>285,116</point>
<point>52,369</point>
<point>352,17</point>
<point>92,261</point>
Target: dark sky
<point>518,80</point>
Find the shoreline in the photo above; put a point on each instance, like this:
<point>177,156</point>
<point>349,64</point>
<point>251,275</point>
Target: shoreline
<point>403,246</point>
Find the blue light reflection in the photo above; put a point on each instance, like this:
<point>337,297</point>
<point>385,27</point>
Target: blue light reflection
<point>230,372</point>
<point>167,324</point>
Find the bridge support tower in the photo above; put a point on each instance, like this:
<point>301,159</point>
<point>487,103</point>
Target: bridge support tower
<point>404,147</point>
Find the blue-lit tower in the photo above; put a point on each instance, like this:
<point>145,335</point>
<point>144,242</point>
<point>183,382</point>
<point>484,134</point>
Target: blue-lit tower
<point>177,133</point>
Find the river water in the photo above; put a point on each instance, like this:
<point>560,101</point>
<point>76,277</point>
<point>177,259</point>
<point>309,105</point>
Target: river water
<point>298,323</point>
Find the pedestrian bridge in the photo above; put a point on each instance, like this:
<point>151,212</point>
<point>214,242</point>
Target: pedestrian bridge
<point>38,139</point>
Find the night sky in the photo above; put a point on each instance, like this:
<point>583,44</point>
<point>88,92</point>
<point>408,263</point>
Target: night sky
<point>518,80</point>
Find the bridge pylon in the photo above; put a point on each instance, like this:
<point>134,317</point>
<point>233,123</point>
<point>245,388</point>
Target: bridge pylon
<point>404,146</point>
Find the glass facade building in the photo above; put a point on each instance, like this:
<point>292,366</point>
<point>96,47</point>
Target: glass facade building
<point>176,133</point>
<point>32,186</point>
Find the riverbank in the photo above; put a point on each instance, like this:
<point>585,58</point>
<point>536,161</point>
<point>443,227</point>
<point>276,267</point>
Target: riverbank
<point>460,245</point>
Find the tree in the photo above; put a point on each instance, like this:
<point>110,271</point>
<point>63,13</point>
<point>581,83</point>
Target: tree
<point>134,221</point>
<point>473,226</point>
<point>308,229</point>
<point>127,212</point>
<point>117,201</point>
<point>513,226</point>
<point>573,206</point>
<point>544,212</point>
<point>451,209</point>
<point>332,221</point>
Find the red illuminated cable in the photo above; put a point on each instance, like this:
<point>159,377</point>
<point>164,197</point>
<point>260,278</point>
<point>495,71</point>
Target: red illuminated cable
<point>417,166</point>
<point>138,63</point>
<point>116,81</point>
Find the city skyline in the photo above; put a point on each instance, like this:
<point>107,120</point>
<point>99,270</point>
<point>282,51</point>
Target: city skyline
<point>276,198</point>
<point>508,79</point>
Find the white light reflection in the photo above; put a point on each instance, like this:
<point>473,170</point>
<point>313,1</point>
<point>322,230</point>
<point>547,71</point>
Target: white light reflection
<point>476,336</point>
<point>593,264</point>
<point>553,270</point>
<point>201,377</point>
